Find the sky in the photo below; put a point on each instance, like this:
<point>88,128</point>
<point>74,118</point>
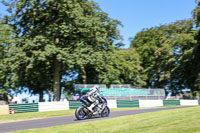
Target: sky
<point>136,15</point>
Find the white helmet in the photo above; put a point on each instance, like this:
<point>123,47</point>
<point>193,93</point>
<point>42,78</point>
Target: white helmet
<point>97,87</point>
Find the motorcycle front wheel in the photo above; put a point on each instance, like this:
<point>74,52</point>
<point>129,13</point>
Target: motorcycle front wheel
<point>80,114</point>
<point>105,112</point>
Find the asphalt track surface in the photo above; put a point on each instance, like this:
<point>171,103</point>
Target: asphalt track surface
<point>70,119</point>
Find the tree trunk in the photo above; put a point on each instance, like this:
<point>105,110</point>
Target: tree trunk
<point>84,75</point>
<point>41,96</point>
<point>56,80</point>
<point>5,97</point>
<point>49,91</point>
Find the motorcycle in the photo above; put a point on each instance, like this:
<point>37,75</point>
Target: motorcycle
<point>100,110</point>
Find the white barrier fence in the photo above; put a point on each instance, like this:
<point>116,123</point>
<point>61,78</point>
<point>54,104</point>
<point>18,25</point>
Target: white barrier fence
<point>53,106</point>
<point>150,103</point>
<point>189,102</point>
<point>112,103</point>
<point>66,105</point>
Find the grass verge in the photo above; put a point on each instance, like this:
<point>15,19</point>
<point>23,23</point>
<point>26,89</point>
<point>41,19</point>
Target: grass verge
<point>35,115</point>
<point>184,120</point>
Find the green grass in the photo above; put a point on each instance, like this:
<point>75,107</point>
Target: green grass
<point>34,115</point>
<point>185,120</point>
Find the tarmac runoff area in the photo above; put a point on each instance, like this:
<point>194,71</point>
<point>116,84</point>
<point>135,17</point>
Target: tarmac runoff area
<point>70,119</point>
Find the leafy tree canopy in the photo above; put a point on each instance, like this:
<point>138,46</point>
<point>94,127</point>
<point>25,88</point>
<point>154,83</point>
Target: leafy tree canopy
<point>164,51</point>
<point>54,37</point>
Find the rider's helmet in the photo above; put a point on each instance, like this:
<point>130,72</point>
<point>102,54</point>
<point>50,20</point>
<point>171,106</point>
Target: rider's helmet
<point>97,88</point>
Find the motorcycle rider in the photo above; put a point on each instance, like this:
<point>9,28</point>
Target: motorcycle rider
<point>92,96</point>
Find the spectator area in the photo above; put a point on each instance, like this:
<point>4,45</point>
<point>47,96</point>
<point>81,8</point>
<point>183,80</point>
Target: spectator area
<point>121,90</point>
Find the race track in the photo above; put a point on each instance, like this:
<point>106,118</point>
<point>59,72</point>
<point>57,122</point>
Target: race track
<point>64,120</point>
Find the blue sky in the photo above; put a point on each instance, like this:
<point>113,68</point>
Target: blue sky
<point>136,15</point>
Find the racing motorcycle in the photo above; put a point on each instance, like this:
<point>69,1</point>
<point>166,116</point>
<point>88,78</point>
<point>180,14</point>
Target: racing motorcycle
<point>100,110</point>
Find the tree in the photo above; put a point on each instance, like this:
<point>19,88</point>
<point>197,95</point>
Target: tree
<point>52,34</point>
<point>123,68</point>
<point>146,42</point>
<point>6,83</point>
<point>183,45</point>
<point>164,51</point>
<point>193,74</point>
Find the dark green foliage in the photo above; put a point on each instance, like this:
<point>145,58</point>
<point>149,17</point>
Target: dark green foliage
<point>194,72</point>
<point>123,68</point>
<point>6,82</point>
<point>56,37</point>
<point>167,53</point>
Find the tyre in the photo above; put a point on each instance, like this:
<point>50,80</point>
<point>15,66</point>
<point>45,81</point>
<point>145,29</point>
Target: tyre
<point>105,112</point>
<point>80,114</point>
